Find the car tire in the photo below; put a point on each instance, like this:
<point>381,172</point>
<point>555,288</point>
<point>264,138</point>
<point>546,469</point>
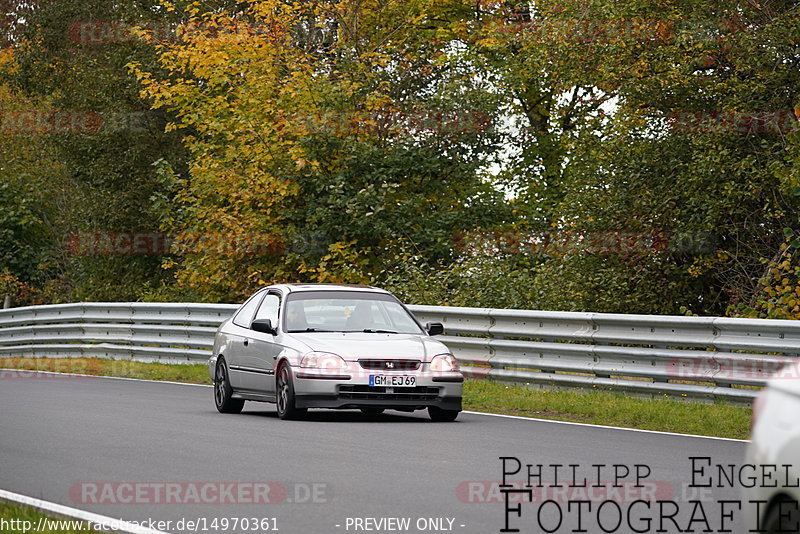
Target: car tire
<point>774,522</point>
<point>442,416</point>
<point>285,397</point>
<point>223,392</point>
<point>372,411</point>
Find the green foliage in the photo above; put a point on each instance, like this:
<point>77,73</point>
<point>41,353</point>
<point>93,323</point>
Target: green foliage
<point>643,117</point>
<point>779,288</point>
<point>572,282</point>
<point>475,280</point>
<point>711,167</point>
<point>29,177</point>
<point>358,141</point>
<point>70,58</point>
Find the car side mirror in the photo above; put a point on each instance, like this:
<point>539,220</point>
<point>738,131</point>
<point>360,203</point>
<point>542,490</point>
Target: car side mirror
<point>264,326</point>
<point>434,329</point>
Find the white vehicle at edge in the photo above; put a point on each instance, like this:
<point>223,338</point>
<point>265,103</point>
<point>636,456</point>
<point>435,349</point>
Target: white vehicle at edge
<point>332,346</point>
<point>775,449</point>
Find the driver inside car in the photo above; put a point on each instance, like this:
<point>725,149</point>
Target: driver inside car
<point>361,318</point>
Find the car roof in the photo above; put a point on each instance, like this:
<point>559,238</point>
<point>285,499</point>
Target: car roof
<point>292,288</point>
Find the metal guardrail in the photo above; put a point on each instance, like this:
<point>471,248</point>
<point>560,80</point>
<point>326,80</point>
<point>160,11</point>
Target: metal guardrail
<point>143,331</point>
<point>699,358</point>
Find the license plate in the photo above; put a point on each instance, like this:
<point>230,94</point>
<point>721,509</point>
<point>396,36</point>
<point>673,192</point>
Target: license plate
<point>398,381</point>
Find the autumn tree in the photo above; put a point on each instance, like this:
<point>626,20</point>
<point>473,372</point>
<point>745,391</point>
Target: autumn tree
<point>324,137</point>
<point>644,118</point>
<point>111,145</point>
<point>29,214</point>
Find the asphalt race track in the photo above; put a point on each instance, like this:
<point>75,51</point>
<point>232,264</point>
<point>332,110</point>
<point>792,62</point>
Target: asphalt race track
<point>128,449</point>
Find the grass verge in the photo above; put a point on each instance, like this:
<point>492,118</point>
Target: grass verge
<point>609,408</point>
<point>18,519</point>
<point>596,407</point>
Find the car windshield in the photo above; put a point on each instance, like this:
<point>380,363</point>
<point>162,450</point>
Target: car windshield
<point>347,311</point>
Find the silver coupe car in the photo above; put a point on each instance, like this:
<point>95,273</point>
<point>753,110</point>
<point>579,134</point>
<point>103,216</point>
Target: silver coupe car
<point>332,346</point>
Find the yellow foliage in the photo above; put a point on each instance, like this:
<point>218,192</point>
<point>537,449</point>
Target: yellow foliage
<point>6,56</point>
<point>249,89</point>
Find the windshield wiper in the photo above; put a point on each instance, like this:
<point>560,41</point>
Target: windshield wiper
<point>371,331</point>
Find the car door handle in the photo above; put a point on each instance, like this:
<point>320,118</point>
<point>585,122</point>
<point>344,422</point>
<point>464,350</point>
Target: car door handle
<point>246,342</point>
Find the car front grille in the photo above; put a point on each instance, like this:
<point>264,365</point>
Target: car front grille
<point>417,393</point>
<point>390,365</point>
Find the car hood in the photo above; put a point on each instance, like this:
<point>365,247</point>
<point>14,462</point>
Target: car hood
<point>356,345</point>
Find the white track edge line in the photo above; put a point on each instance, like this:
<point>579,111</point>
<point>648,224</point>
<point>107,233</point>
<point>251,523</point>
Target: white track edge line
<point>573,423</point>
<point>518,417</point>
<point>117,525</point>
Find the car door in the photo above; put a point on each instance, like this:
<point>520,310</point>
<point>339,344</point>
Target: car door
<point>261,349</point>
<point>236,351</point>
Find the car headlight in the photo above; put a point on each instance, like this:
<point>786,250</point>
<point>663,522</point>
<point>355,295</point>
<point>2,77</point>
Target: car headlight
<point>323,360</point>
<point>444,363</point>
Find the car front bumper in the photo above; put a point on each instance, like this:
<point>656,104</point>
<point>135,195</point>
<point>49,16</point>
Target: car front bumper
<point>346,391</point>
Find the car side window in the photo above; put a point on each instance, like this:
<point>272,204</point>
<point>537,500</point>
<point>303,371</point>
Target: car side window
<point>245,315</point>
<point>269,309</point>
